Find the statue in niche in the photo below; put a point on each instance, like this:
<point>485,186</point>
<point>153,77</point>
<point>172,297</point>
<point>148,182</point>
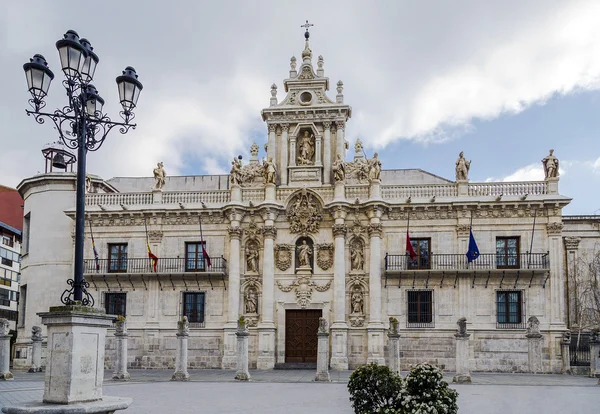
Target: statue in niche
<point>160,176</point>
<point>374,167</point>
<point>304,254</point>
<point>357,260</point>
<point>339,169</point>
<point>270,171</point>
<point>462,168</point>
<point>235,175</point>
<point>357,301</point>
<point>306,149</point>
<point>550,165</point>
<point>251,259</point>
<point>251,301</point>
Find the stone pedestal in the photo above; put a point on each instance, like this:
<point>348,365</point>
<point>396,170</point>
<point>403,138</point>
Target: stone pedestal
<point>552,183</point>
<point>266,346</point>
<point>236,193</point>
<point>323,352</point>
<point>462,188</point>
<point>534,352</point>
<point>36,349</point>
<point>394,343</point>
<point>375,189</point>
<point>339,192</point>
<point>242,373</point>
<point>181,359</point>
<point>339,346</point>
<point>566,355</point>
<point>269,192</point>
<point>5,373</point>
<point>156,196</point>
<point>595,358</point>
<point>120,373</point>
<point>463,374</point>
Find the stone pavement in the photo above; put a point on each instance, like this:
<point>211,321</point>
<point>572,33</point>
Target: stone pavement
<point>270,392</point>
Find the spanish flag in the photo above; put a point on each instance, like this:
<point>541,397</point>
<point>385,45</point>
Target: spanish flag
<point>205,255</point>
<point>152,257</point>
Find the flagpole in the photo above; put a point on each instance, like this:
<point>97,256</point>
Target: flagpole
<point>147,241</point>
<point>205,255</point>
<point>531,244</point>
<point>94,248</point>
<point>470,231</point>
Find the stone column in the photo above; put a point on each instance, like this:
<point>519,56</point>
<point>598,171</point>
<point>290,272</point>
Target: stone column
<point>566,353</point>
<point>339,328</point>
<point>284,154</point>
<point>242,373</point>
<point>271,142</point>
<point>339,137</point>
<point>235,234</point>
<point>36,352</point>
<point>375,329</point>
<point>463,374</point>
<point>120,372</point>
<point>394,344</point>
<point>318,150</point>
<point>322,352</point>
<point>181,358</point>
<point>5,373</point>
<point>266,329</point>
<point>572,245</point>
<point>557,292</point>
<point>327,152</point>
<point>594,357</point>
<point>534,345</point>
<point>293,155</point>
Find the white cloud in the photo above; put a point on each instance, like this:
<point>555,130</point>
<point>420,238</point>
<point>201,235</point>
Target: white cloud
<point>532,172</point>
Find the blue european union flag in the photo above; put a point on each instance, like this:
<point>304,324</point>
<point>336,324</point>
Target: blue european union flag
<point>473,252</point>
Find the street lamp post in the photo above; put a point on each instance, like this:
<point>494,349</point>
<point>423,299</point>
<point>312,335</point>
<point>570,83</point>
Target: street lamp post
<point>81,125</point>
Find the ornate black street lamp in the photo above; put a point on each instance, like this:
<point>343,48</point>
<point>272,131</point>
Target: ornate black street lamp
<point>81,125</point>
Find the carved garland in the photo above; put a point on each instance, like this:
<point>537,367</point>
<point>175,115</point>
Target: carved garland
<point>304,289</point>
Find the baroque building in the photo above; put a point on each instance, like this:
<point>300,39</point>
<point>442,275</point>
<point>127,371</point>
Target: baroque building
<point>310,232</point>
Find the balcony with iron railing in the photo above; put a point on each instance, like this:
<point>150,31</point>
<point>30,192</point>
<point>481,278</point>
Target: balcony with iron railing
<point>163,266</point>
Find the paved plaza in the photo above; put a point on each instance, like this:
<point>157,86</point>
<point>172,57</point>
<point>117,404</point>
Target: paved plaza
<point>293,391</point>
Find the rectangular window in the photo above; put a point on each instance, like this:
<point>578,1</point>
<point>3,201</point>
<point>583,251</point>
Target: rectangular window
<point>193,307</point>
<point>115,303</point>
<point>507,252</point>
<point>5,297</point>
<point>509,309</point>
<point>22,304</point>
<point>118,257</point>
<point>7,262</point>
<point>26,227</point>
<point>423,250</point>
<point>420,309</point>
<point>7,241</point>
<point>194,260</point>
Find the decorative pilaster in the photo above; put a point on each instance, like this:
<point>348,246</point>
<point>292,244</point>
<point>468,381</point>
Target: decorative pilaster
<point>534,345</point>
<point>36,352</point>
<point>120,373</point>
<point>318,150</point>
<point>375,328</point>
<point>266,329</point>
<point>339,328</point>
<point>322,352</point>
<point>233,308</point>
<point>339,138</point>
<point>463,374</point>
<point>181,359</point>
<point>271,142</point>
<point>284,154</point>
<point>572,246</point>
<point>242,373</point>
<point>557,303</point>
<point>394,345</point>
<point>292,151</point>
<point>327,152</point>
<point>5,373</point>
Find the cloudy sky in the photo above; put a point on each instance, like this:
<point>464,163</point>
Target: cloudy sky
<point>502,81</point>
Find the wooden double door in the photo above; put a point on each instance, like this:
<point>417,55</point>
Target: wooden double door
<point>301,328</point>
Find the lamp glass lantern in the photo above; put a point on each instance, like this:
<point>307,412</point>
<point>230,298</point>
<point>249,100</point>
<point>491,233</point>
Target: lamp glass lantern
<point>72,54</point>
<point>39,77</point>
<point>129,89</point>
<point>93,102</point>
<point>88,66</point>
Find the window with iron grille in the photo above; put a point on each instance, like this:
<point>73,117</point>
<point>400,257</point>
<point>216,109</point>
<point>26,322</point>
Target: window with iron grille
<point>193,307</point>
<point>509,309</point>
<point>420,309</point>
<point>507,252</point>
<point>115,303</point>
<point>422,248</point>
<point>194,259</point>
<point>118,257</point>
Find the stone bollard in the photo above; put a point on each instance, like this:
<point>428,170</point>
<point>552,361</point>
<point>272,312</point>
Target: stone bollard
<point>183,332</point>
<point>566,353</point>
<point>120,372</point>
<point>36,352</point>
<point>534,345</point>
<point>463,374</point>
<point>242,334</point>
<point>394,337</point>
<point>323,352</point>
<point>5,373</point>
<point>594,357</point>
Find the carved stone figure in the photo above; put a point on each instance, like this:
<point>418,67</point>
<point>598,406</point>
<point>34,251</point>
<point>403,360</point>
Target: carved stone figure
<point>550,165</point>
<point>357,301</point>
<point>358,147</point>
<point>270,171</point>
<point>306,149</point>
<point>462,168</point>
<point>339,169</point>
<point>533,326</point>
<point>251,301</point>
<point>374,168</point>
<point>462,326</point>
<point>303,214</point>
<point>36,333</point>
<point>254,150</point>
<point>251,259</point>
<point>357,260</point>
<point>394,325</point>
<point>183,326</point>
<point>120,325</point>
<point>88,184</point>
<point>304,254</point>
<point>357,169</point>
<point>322,325</point>
<point>235,175</point>
<point>4,327</point>
<point>160,176</point>
<point>566,337</point>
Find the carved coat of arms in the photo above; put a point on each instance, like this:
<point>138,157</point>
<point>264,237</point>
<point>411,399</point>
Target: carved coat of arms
<point>325,255</point>
<point>283,256</point>
<point>304,214</point>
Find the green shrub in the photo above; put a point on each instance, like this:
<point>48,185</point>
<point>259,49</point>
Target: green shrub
<point>374,389</point>
<point>426,392</point>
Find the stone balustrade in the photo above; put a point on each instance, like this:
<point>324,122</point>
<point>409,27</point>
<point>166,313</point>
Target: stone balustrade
<point>508,188</point>
<point>402,192</point>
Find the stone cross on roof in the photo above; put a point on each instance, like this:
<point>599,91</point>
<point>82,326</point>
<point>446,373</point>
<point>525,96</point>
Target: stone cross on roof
<point>306,26</point>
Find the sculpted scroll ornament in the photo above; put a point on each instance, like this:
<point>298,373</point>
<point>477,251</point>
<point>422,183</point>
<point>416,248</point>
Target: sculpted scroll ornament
<point>325,255</point>
<point>303,288</point>
<point>283,256</point>
<point>303,214</point>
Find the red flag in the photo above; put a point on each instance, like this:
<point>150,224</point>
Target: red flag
<point>409,249</point>
<point>206,256</point>
<point>152,257</point>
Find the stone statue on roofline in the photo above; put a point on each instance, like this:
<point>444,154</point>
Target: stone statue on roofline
<point>160,176</point>
<point>374,167</point>
<point>462,168</point>
<point>235,175</point>
<point>550,163</point>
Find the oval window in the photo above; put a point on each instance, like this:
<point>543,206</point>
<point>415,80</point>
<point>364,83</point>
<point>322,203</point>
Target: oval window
<point>305,97</point>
